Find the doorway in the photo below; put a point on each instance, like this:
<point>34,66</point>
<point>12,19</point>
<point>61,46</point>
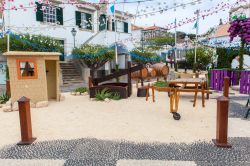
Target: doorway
<point>51,79</point>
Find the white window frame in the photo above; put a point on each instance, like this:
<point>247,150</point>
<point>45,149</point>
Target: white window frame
<point>83,20</point>
<point>120,26</point>
<point>50,15</point>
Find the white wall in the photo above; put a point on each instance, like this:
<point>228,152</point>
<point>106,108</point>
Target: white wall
<point>137,37</point>
<point>25,22</point>
<point>108,38</point>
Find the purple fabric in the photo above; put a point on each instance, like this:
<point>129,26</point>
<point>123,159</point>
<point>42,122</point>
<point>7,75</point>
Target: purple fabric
<point>245,82</point>
<point>217,80</point>
<point>234,77</point>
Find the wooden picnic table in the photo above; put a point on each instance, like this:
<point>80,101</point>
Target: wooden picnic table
<point>174,90</point>
<point>198,85</point>
<point>173,95</point>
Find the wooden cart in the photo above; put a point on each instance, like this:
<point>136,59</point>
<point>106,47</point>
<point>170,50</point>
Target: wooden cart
<point>174,95</point>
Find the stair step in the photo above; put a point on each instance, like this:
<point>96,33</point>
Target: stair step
<point>71,75</point>
<point>72,82</point>
<point>72,79</point>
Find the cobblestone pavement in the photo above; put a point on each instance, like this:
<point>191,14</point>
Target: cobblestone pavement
<point>108,153</point>
<point>237,110</point>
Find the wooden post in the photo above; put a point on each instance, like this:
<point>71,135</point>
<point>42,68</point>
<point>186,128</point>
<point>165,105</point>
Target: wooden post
<point>8,92</point>
<point>142,84</point>
<point>222,118</point>
<point>90,82</point>
<point>25,121</point>
<point>153,93</point>
<point>226,87</point>
<point>129,80</point>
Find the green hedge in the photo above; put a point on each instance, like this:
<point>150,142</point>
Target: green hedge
<point>226,55</point>
<point>27,42</point>
<point>203,57</point>
<point>145,56</point>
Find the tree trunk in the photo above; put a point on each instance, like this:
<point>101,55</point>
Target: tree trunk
<point>241,54</point>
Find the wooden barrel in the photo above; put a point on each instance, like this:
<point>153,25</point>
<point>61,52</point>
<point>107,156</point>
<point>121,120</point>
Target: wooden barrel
<point>151,72</point>
<point>137,74</point>
<point>161,69</point>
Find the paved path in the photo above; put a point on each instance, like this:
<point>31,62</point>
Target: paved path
<point>94,152</point>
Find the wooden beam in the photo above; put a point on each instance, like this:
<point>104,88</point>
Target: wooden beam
<point>117,74</point>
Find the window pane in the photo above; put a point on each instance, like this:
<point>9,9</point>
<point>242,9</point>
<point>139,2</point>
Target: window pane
<point>84,21</point>
<point>49,14</point>
<point>27,69</point>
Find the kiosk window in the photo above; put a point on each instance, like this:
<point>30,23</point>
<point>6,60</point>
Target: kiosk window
<point>27,69</point>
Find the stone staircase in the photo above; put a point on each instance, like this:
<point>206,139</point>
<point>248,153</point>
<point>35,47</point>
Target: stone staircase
<point>70,74</point>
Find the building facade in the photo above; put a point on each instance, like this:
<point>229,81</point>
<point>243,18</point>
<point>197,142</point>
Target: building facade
<point>56,20</point>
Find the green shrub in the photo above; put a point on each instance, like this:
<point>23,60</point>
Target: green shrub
<point>27,42</point>
<point>94,56</point>
<point>226,55</point>
<point>105,93</point>
<point>4,98</point>
<point>203,57</point>
<point>166,39</point>
<point>161,84</point>
<point>144,56</point>
<point>81,89</point>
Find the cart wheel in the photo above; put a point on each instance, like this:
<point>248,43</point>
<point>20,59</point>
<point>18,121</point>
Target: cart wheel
<point>176,116</point>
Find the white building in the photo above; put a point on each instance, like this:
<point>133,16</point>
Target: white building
<point>57,19</point>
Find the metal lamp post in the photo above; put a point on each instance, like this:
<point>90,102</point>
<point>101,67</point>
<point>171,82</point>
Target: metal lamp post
<point>186,46</point>
<point>73,32</point>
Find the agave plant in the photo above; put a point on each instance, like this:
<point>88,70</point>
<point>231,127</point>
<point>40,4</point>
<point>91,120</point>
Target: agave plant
<point>4,98</point>
<point>106,94</point>
<point>116,96</point>
<point>103,94</point>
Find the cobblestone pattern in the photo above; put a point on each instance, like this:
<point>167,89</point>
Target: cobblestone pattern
<point>237,110</point>
<point>96,152</point>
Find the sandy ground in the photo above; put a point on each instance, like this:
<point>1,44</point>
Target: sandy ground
<point>133,119</point>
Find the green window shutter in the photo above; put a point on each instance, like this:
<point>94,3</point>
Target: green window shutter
<point>113,25</point>
<point>125,27</point>
<point>102,22</point>
<point>89,20</point>
<point>78,19</point>
<point>39,12</point>
<point>59,15</point>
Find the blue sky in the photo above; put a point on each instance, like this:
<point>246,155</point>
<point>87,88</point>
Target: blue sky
<point>168,16</point>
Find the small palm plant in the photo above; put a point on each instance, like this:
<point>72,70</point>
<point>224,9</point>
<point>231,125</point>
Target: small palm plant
<point>106,94</point>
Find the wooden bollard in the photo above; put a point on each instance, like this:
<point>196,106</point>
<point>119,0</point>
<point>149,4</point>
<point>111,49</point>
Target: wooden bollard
<point>222,118</point>
<point>226,86</point>
<point>25,121</point>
